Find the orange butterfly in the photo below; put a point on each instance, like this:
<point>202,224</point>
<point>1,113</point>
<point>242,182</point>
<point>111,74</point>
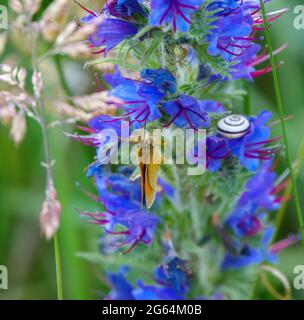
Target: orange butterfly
<point>149,160</point>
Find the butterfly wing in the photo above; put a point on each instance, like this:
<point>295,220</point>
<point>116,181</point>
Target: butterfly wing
<point>149,171</point>
<point>142,168</point>
<point>151,176</point>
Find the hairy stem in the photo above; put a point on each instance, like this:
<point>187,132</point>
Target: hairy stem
<point>283,125</point>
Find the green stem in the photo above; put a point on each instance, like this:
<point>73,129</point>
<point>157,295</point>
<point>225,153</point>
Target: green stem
<point>288,191</point>
<point>195,215</point>
<point>246,105</point>
<point>256,288</point>
<point>58,64</point>
<point>283,125</point>
<point>58,267</point>
<point>178,193</point>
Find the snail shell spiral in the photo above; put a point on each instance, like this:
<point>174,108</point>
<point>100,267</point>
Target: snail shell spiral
<point>233,126</point>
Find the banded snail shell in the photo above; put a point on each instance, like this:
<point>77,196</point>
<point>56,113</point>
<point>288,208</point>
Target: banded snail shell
<point>233,126</point>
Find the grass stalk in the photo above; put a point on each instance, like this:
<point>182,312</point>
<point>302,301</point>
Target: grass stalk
<point>58,267</point>
<point>283,124</point>
<point>60,71</point>
<point>49,171</point>
<point>48,165</point>
<point>280,214</point>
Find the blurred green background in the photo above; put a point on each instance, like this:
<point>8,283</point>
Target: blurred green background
<point>30,259</point>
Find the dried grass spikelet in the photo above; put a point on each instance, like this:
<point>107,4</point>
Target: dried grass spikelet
<point>18,128</point>
<point>70,111</point>
<point>21,33</point>
<point>72,40</point>
<point>74,33</point>
<point>25,6</point>
<point>102,66</point>
<point>32,6</point>
<point>13,109</point>
<point>23,27</point>
<point>16,104</point>
<point>67,32</point>
<point>53,19</point>
<point>7,107</point>
<point>76,50</point>
<point>50,213</point>
<point>16,6</point>
<point>37,82</point>
<point>82,108</point>
<point>97,102</point>
<point>105,67</point>
<point>13,76</point>
<point>21,77</point>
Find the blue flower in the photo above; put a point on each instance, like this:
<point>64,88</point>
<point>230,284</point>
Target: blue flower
<point>114,189</point>
<point>244,223</point>
<point>176,12</point>
<point>246,219</point>
<point>148,292</point>
<point>186,111</point>
<point>230,35</point>
<point>173,273</point>
<point>251,148</point>
<point>217,149</point>
<point>171,277</point>
<point>161,78</point>
<point>211,106</point>
<point>223,7</point>
<point>140,99</point>
<point>109,33</point>
<point>124,8</point>
<point>244,68</point>
<point>250,255</point>
<point>122,215</point>
<point>165,188</point>
<point>170,283</point>
<point>170,280</point>
<point>139,227</point>
<point>95,126</point>
<point>260,190</point>
<point>259,195</point>
<point>121,288</point>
